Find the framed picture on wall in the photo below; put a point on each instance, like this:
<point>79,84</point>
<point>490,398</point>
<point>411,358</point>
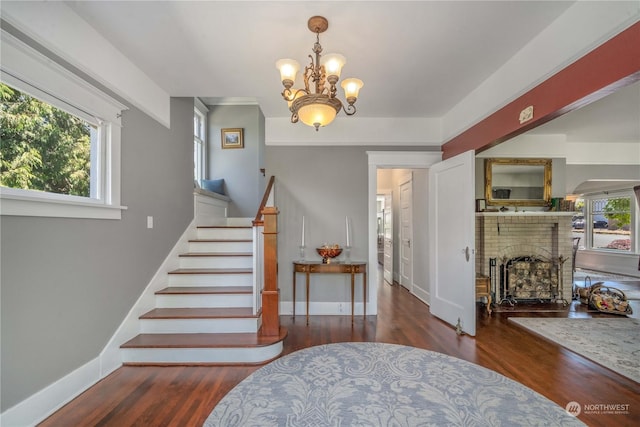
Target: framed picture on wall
<point>232,138</point>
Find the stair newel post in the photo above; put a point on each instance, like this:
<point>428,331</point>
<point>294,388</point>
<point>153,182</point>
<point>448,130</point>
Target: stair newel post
<point>270,292</point>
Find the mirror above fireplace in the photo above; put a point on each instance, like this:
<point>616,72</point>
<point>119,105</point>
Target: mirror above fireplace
<point>517,182</point>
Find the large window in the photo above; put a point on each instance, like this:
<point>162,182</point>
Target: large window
<point>60,152</point>
<point>43,147</point>
<point>608,222</point>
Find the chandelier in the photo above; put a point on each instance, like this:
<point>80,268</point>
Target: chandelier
<point>316,104</point>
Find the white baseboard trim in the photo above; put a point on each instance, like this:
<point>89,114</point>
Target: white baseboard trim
<point>325,308</point>
<point>420,293</point>
<point>45,402</point>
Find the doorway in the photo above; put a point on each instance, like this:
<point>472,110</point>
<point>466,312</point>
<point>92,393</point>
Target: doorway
<point>391,160</point>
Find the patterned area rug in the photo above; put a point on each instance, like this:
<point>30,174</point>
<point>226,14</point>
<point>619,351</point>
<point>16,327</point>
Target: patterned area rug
<point>375,384</point>
<point>612,342</point>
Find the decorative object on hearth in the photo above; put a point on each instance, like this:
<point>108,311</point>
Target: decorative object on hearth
<point>328,252</point>
<point>609,300</point>
<point>316,104</point>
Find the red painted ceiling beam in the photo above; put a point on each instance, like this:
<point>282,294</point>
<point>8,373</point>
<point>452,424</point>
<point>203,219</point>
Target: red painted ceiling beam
<point>612,65</point>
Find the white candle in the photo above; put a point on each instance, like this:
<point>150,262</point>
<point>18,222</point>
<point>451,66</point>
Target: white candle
<point>346,221</point>
<point>302,239</point>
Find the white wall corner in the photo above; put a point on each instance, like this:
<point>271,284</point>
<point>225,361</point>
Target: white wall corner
<point>583,27</point>
<point>58,28</point>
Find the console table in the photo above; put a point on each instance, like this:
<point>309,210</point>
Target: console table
<point>351,267</point>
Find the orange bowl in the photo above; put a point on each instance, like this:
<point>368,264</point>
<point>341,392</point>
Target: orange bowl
<point>329,252</point>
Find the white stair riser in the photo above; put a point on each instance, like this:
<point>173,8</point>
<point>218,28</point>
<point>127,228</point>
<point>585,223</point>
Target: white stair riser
<point>201,355</point>
<point>220,247</point>
<point>225,233</point>
<point>230,221</point>
<point>203,301</point>
<point>211,279</point>
<point>216,261</point>
<point>198,326</point>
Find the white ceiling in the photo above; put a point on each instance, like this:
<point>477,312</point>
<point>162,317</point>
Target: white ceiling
<point>614,118</point>
<point>416,58</point>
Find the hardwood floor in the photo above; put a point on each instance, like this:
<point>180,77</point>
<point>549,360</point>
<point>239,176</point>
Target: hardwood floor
<point>184,396</point>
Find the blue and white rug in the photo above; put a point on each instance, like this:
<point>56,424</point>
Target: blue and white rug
<point>375,384</point>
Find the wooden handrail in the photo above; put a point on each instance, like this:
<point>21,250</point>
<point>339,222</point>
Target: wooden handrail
<point>258,219</point>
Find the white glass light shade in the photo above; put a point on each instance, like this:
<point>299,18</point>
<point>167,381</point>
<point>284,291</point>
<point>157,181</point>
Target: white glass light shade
<point>288,69</point>
<point>313,114</point>
<point>333,63</point>
<point>351,87</point>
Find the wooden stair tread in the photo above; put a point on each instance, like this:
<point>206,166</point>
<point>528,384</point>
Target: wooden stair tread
<point>231,340</point>
<point>212,271</point>
<point>200,313</point>
<point>216,254</point>
<point>202,290</point>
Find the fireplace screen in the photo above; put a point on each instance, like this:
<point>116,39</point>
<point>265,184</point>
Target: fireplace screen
<point>529,278</point>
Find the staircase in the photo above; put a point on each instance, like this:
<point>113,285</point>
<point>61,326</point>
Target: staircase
<point>207,313</point>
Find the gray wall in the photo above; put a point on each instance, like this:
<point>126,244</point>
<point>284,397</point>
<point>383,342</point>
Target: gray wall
<point>240,167</point>
<point>324,184</point>
<point>67,284</point>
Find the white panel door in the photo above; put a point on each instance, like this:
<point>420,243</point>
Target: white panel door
<point>452,241</point>
<point>406,235</point>
<point>388,238</point>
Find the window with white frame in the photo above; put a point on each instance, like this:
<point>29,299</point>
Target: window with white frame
<point>199,144</point>
<point>45,148</point>
<point>62,151</point>
<point>608,222</point>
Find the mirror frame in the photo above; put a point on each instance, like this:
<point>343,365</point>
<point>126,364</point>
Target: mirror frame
<point>545,201</point>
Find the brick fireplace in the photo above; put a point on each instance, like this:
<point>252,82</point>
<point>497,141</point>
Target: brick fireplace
<point>534,246</point>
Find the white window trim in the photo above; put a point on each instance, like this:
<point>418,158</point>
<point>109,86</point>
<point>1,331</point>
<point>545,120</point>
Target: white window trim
<point>201,109</point>
<point>22,66</point>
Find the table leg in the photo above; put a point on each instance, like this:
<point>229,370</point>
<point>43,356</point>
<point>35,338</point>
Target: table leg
<point>353,278</point>
<point>294,293</point>
<point>364,293</point>
<point>307,274</point>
